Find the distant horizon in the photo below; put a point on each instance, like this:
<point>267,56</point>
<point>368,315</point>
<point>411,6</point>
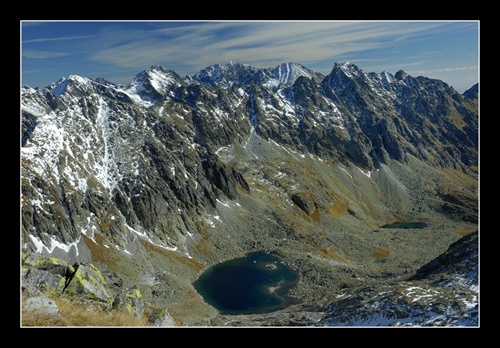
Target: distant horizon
<point>271,67</point>
<point>119,50</point>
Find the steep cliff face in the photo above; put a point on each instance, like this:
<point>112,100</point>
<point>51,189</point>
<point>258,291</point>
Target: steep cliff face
<point>100,162</point>
<point>189,172</point>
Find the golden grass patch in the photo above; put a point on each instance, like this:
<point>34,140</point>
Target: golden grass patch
<point>463,231</point>
<point>337,210</point>
<point>316,216</point>
<point>380,253</point>
<point>192,304</point>
<point>99,252</point>
<point>77,313</point>
<point>201,245</point>
<point>459,177</point>
<point>458,120</point>
<point>173,256</point>
<point>327,253</point>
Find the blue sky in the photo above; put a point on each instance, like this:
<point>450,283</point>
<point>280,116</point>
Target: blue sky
<point>119,50</point>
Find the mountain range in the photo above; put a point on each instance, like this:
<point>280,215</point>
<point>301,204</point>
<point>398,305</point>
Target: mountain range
<point>159,179</point>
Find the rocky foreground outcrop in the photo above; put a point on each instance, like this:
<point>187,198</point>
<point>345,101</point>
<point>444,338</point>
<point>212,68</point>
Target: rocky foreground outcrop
<point>82,283</point>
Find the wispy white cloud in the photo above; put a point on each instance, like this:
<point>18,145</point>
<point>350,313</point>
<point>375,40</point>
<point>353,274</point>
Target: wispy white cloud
<point>429,72</point>
<point>466,68</point>
<point>35,71</point>
<point>256,43</point>
<point>64,38</point>
<point>37,54</point>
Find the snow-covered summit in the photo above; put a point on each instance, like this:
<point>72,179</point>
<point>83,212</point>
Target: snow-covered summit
<point>227,74</point>
<point>238,74</point>
<point>287,73</point>
<point>152,84</point>
<point>60,87</point>
<point>349,69</point>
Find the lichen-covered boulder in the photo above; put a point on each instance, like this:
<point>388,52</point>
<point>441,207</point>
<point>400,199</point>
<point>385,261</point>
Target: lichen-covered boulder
<point>130,301</point>
<point>88,282</point>
<point>42,274</point>
<point>161,318</point>
<point>37,280</point>
<point>44,262</point>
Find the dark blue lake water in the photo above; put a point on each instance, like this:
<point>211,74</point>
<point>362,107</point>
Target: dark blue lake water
<point>403,224</point>
<point>257,283</point>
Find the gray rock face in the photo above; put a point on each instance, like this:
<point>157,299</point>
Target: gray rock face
<point>160,178</point>
<point>304,202</point>
<point>42,305</point>
<point>460,259</point>
<point>40,280</point>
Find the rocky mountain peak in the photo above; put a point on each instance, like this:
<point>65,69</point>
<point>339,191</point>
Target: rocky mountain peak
<point>348,68</point>
<point>105,82</point>
<point>153,84</point>
<point>239,74</point>
<point>227,74</point>
<point>473,92</point>
<point>74,83</point>
<point>400,75</point>
<point>288,73</point>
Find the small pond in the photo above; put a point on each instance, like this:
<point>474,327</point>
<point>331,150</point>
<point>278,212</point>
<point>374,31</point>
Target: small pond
<point>257,283</point>
<point>405,224</point>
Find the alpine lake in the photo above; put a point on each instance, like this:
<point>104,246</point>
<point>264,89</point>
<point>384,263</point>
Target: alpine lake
<point>260,282</point>
<point>405,224</point>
